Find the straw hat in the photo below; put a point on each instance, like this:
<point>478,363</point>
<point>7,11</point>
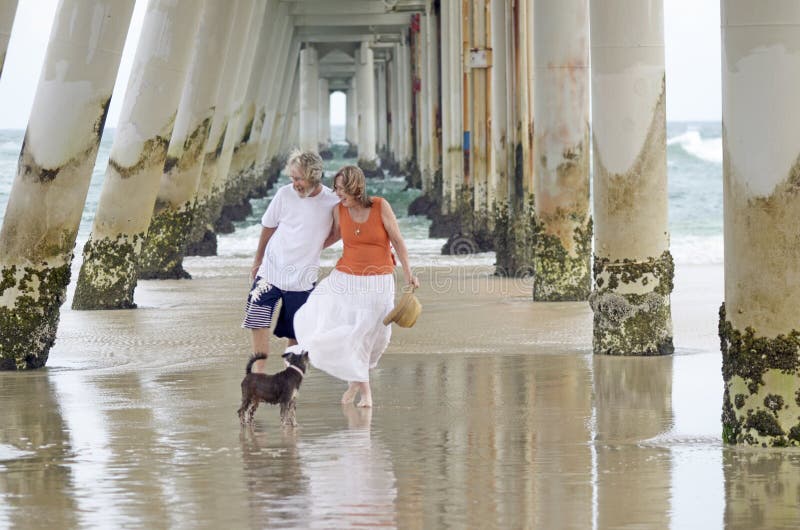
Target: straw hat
<point>406,310</point>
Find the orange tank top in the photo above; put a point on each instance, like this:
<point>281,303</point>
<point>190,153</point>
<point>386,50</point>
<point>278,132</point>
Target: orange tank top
<point>366,245</point>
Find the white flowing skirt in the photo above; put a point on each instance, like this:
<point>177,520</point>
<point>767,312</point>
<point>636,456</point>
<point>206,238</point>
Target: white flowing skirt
<point>341,324</point>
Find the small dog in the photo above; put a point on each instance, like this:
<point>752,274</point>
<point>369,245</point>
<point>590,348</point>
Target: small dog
<point>281,387</point>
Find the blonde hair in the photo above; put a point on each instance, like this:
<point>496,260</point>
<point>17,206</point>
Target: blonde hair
<point>310,165</point>
<point>353,183</point>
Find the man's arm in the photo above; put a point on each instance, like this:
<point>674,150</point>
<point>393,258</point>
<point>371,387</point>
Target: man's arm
<point>266,234</point>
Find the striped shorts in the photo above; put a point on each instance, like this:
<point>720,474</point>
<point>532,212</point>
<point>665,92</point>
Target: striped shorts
<point>261,303</point>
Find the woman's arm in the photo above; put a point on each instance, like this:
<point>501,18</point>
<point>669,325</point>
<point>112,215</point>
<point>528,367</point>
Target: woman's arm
<point>335,234</point>
<point>390,224</point>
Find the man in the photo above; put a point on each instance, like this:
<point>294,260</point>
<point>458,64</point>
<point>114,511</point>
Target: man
<point>294,229</point>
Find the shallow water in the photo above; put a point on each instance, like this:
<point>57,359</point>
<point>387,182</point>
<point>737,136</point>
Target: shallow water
<point>490,413</point>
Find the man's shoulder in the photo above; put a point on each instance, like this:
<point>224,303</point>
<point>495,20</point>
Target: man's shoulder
<point>330,198</point>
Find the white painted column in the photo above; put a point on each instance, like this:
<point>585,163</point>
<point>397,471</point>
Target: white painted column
<point>293,117</point>
<point>7,10</point>
<point>273,86</point>
<point>272,136</point>
<point>202,240</point>
<point>324,126</point>
<point>382,113</point>
<point>423,115</point>
<point>500,160</point>
<point>405,101</point>
<point>309,99</point>
<point>232,187</point>
<point>109,273</point>
<point>394,106</point>
<point>162,254</point>
<point>452,114</point>
<point>479,133</point>
<point>351,126</point>
<point>561,114</point>
<point>432,75</point>
<point>367,158</point>
<point>55,166</point>
<point>759,326</point>
<point>632,263</point>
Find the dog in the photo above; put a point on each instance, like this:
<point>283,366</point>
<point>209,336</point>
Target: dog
<point>280,388</point>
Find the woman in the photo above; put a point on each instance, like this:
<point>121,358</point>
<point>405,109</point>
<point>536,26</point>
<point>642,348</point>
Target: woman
<point>341,323</point>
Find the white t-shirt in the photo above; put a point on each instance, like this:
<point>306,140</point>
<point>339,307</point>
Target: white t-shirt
<point>291,259</point>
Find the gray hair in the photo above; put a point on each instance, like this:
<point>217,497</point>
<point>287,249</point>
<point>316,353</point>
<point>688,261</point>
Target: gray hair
<point>310,164</point>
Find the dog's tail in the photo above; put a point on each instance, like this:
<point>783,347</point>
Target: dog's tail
<point>254,358</point>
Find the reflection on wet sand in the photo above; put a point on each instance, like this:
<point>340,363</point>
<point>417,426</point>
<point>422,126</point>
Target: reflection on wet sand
<point>33,470</point>
<point>481,420</point>
<point>633,403</point>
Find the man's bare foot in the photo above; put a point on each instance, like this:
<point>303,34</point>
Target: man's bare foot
<point>350,394</point>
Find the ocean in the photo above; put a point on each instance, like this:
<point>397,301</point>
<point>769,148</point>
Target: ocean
<point>694,162</point>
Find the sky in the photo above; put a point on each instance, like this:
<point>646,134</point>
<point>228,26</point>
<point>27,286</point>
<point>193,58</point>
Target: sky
<point>692,50</point>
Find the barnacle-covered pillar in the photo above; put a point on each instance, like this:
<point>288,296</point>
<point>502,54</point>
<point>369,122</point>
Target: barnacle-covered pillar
<point>633,268</point>
<point>561,137</point>
<point>324,114</point>
<point>309,98</point>
<point>367,158</point>
<point>7,10</point>
<point>203,240</point>
<point>759,322</point>
<point>452,115</point>
<point>55,167</point>
<point>109,272</point>
<point>351,125</point>
<point>162,254</point>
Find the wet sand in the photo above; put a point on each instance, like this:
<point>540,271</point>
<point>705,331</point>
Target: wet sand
<point>490,413</point>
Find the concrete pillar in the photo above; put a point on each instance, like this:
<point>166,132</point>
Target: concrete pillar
<point>292,120</point>
<point>8,9</point>
<point>521,20</point>
<point>561,188</point>
<point>633,268</point>
<point>55,166</point>
<point>367,158</point>
<point>500,159</point>
<point>232,188</point>
<point>405,101</point>
<point>759,330</point>
<point>324,125</point>
<point>272,88</point>
<point>480,61</point>
<point>422,101</point>
<point>382,112</point>
<point>162,254</point>
<point>290,83</point>
<point>452,116</point>
<point>351,126</point>
<point>241,174</point>
<point>309,99</point>
<point>394,107</point>
<point>109,272</point>
<point>432,70</point>
<point>202,240</point>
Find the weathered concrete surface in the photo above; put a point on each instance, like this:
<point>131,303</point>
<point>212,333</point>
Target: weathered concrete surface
<point>55,166</point>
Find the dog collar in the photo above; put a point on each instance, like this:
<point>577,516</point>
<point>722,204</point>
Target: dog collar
<point>296,369</point>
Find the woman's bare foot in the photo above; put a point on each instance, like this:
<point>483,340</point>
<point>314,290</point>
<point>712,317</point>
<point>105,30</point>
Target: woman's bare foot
<point>366,396</point>
<point>350,394</point>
